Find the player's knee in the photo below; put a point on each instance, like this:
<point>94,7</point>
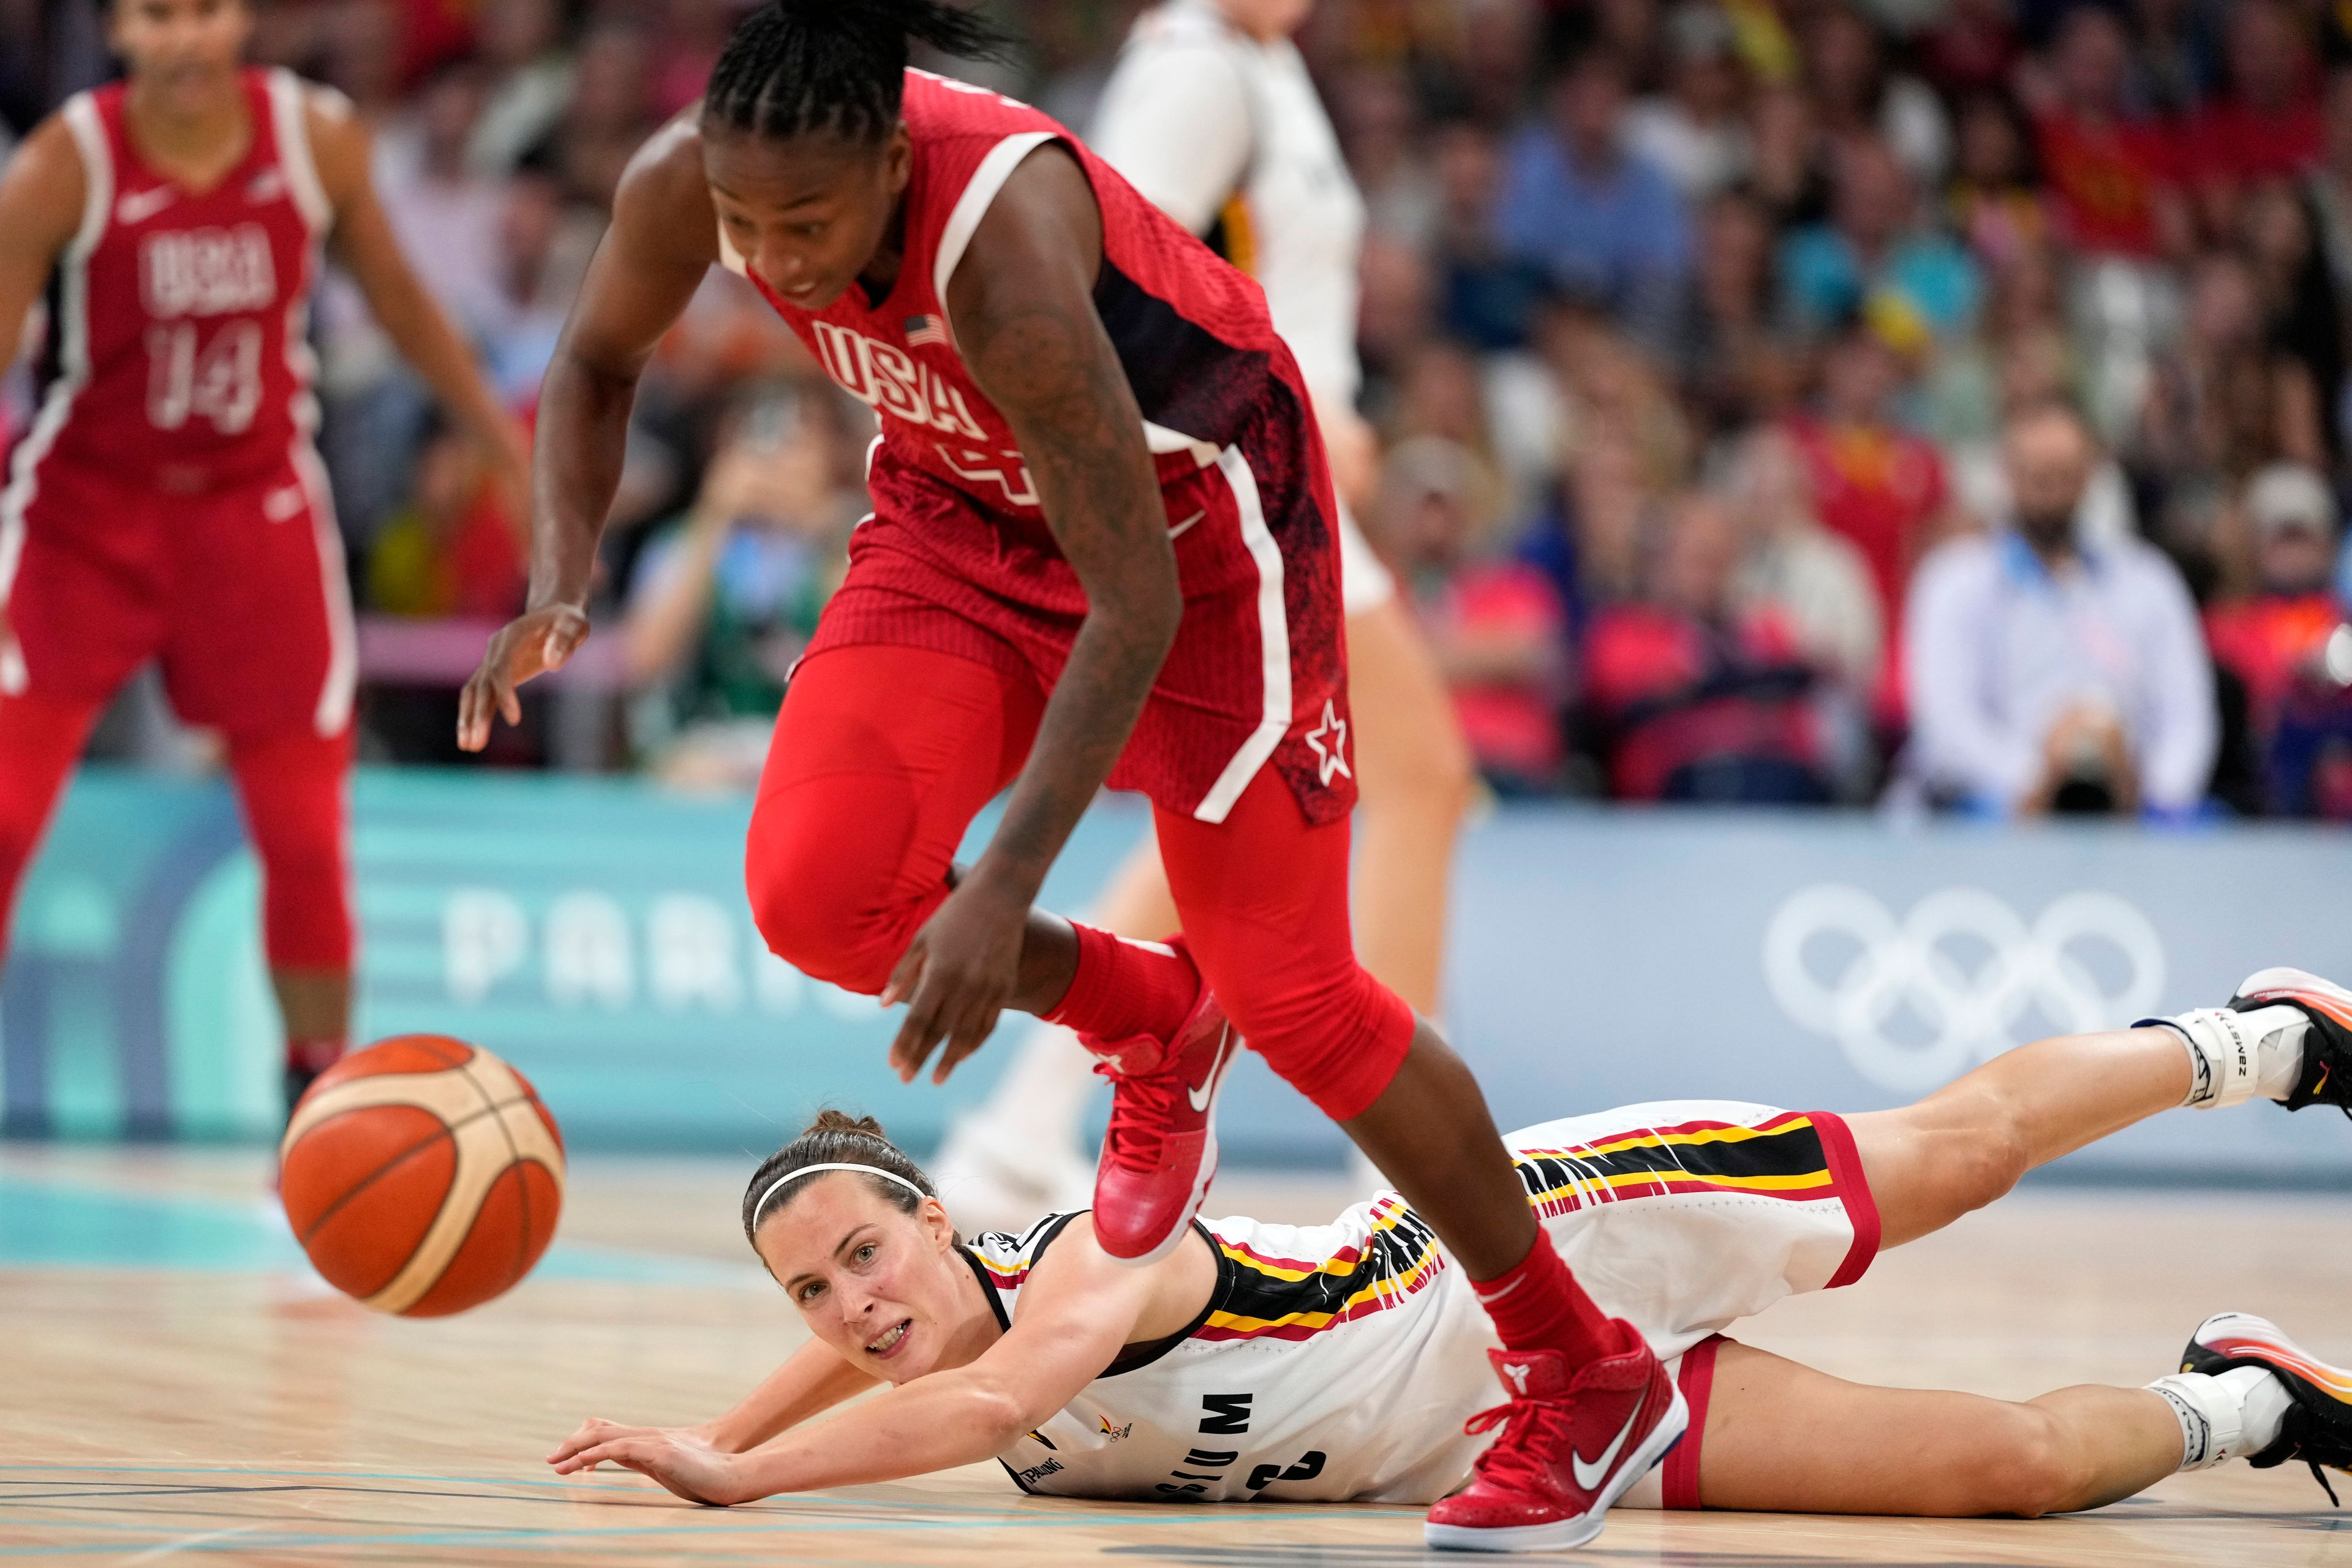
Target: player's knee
<point>1989,1161</point>
<point>1338,1044</point>
<point>2030,1471</point>
<point>1433,778</point>
<point>824,913</point>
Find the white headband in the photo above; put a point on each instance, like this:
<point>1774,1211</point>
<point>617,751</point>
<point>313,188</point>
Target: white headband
<point>778,1185</point>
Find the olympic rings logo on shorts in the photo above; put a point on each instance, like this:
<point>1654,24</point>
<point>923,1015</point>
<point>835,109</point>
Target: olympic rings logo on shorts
<point>1963,965</point>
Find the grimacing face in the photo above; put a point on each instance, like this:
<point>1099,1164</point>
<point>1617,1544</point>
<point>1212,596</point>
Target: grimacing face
<point>182,52</point>
<point>883,1288</point>
<point>807,214</point>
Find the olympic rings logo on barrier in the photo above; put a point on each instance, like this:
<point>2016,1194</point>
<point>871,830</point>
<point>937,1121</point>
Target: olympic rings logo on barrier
<point>1921,964</point>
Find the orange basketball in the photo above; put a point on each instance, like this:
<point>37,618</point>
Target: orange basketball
<point>422,1175</point>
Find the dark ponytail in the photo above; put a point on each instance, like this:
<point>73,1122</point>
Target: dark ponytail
<point>835,1138</point>
<point>838,66</point>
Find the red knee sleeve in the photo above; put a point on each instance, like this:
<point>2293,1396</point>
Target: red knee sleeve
<point>292,786</point>
<point>1265,900</point>
<point>39,740</point>
<point>882,756</point>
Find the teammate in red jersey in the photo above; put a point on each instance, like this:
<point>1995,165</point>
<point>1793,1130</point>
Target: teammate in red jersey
<point>167,503</point>
<point>1103,550</point>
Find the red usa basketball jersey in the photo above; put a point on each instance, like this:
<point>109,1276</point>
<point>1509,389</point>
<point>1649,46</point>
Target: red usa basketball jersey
<point>176,355</point>
<point>1192,334</point>
<point>1257,674</point>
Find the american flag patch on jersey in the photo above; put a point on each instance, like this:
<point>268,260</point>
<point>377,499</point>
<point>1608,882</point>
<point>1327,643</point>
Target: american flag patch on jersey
<point>927,329</point>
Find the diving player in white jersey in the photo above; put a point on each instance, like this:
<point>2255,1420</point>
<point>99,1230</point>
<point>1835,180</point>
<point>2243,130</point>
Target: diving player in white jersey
<point>1211,114</point>
<point>1341,1362</point>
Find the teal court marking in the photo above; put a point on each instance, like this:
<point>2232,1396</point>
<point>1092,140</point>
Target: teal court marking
<point>60,1223</point>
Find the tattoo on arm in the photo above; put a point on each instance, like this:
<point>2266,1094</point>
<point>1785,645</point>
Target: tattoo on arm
<point>1023,313</point>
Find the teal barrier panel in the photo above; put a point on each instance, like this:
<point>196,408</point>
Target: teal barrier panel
<point>595,932</point>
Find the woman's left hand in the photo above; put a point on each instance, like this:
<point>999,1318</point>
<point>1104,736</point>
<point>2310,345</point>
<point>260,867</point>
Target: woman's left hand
<point>681,1459</point>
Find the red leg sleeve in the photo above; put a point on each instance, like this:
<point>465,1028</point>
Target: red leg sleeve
<point>293,785</point>
<point>881,758</point>
<point>40,739</point>
<point>1265,900</point>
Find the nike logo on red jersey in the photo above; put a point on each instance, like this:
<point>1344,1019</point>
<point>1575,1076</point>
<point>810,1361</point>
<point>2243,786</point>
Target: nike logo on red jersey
<point>138,207</point>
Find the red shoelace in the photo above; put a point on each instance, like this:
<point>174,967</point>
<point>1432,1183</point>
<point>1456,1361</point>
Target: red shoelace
<point>1526,1458</point>
<point>1142,1109</point>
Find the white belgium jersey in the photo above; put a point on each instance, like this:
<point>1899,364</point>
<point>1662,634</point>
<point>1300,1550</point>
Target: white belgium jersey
<point>1339,1363</point>
<point>1226,136</point>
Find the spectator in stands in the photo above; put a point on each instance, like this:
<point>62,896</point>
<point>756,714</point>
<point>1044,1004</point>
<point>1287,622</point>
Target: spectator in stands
<point>2114,175</point>
<point>1496,626</point>
<point>2227,403</point>
<point>610,114</point>
<point>1994,202</point>
<point>1737,369</point>
<point>1692,691</point>
<point>1789,165</point>
<point>444,213</point>
<point>1874,482</point>
<point>1600,220</point>
<point>1876,255</point>
<point>530,82</point>
<point>1484,296</point>
<point>1971,49</point>
<point>454,549</point>
<point>542,256</point>
<point>2267,125</point>
<point>1816,581</point>
<point>2046,673</point>
<point>725,598</point>
<point>1694,130</point>
<point>1857,96</point>
<point>2276,640</point>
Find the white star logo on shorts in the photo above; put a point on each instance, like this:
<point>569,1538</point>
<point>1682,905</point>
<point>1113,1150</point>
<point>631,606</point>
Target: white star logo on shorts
<point>1328,742</point>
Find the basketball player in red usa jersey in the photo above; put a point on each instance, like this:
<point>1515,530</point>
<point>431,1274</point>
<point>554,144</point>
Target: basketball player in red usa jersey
<point>1102,548</point>
<point>167,503</point>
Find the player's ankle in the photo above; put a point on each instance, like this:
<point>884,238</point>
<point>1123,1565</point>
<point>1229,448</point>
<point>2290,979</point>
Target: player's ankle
<point>2239,1055</point>
<point>1122,988</point>
<point>2226,1416</point>
<point>1539,1306</point>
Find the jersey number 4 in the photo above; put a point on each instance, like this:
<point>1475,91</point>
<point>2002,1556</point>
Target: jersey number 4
<point>219,381</point>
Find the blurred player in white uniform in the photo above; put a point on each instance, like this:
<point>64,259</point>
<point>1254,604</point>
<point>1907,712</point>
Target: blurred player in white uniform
<point>1211,115</point>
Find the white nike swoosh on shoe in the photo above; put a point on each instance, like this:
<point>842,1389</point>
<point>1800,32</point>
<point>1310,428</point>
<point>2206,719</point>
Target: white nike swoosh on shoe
<point>1199,1094</point>
<point>1188,522</point>
<point>1591,1476</point>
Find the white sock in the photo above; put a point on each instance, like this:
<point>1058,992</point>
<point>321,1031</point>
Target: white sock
<point>2224,1415</point>
<point>2235,1057</point>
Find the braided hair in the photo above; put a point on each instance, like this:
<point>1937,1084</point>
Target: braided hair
<point>835,1138</point>
<point>797,66</point>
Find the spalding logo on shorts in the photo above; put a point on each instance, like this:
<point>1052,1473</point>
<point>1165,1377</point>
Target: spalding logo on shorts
<point>488,1145</point>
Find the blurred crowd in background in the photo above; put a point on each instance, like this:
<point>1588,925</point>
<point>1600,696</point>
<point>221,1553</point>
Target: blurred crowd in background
<point>1937,402</point>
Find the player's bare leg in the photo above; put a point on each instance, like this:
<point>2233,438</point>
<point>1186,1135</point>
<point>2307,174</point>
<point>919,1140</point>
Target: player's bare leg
<point>1784,1438</point>
<point>1781,1436</point>
<point>1417,785</point>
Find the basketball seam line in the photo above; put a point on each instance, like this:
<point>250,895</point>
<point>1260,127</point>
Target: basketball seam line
<point>522,1189</point>
<point>447,1129</point>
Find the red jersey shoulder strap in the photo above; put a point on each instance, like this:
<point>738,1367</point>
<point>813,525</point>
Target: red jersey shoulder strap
<point>282,103</point>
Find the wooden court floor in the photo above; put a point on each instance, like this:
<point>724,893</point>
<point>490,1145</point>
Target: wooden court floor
<point>173,1386</point>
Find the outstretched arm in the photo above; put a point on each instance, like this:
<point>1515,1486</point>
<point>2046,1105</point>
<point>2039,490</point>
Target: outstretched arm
<point>813,1380</point>
<point>409,315</point>
<point>1077,1309</point>
<point>41,196</point>
<point>1021,307</point>
<point>664,238</point>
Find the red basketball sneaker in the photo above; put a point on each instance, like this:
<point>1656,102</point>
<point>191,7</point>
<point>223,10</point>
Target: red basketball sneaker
<point>1535,1489</point>
<point>1161,1149</point>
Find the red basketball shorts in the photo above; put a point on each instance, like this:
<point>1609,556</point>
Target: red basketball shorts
<point>238,592</point>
